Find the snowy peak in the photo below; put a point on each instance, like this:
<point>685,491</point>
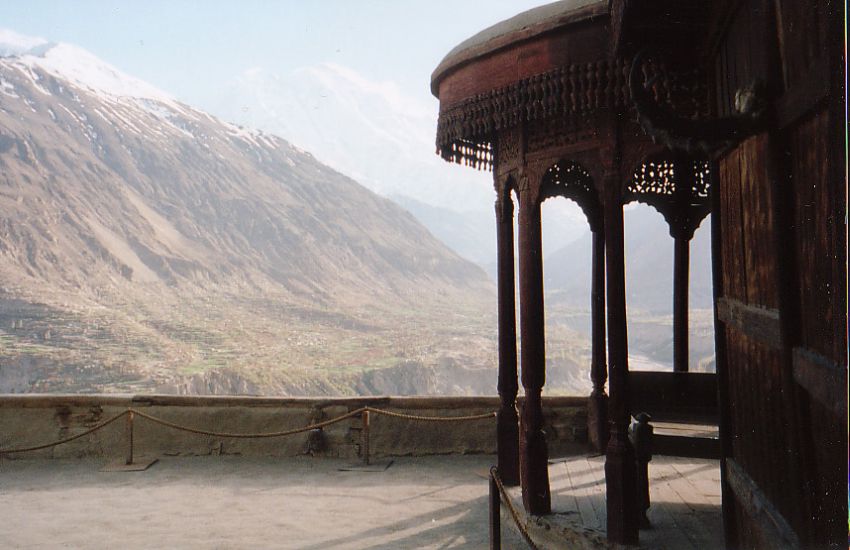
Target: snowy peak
<point>71,84</point>
<point>13,44</point>
<point>86,70</point>
<point>76,65</point>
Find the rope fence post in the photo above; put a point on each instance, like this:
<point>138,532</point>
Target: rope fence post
<point>129,463</point>
<point>129,438</point>
<point>364,437</point>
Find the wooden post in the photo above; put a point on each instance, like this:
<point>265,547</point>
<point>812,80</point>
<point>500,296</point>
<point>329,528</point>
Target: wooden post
<point>507,420</point>
<point>534,467</point>
<point>597,414</point>
<point>620,474</point>
<point>364,437</point>
<point>682,231</point>
<point>129,459</point>
<point>681,259</point>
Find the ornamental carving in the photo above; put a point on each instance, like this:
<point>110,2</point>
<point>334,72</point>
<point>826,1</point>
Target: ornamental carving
<point>509,151</point>
<point>568,94</point>
<point>677,188</point>
<point>560,132</point>
<point>682,131</point>
<point>570,180</point>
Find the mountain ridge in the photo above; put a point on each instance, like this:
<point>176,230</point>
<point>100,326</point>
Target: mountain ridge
<point>198,243</point>
<point>119,138</point>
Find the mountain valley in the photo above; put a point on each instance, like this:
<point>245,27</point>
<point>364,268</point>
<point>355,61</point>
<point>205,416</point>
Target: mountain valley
<point>147,246</point>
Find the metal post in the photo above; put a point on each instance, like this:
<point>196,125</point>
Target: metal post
<point>364,437</point>
<point>495,514</point>
<point>129,460</point>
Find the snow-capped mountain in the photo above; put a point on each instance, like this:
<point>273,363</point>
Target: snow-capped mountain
<point>368,129</point>
<point>69,120</point>
<point>78,67</point>
<point>115,196</point>
<point>385,139</point>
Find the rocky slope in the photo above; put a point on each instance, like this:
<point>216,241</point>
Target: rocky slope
<point>99,190</point>
<point>140,235</point>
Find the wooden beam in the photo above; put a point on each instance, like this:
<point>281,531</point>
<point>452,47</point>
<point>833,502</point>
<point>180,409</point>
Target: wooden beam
<point>669,394</point>
<point>759,323</point>
<point>824,380</point>
<point>685,446</point>
<point>773,527</point>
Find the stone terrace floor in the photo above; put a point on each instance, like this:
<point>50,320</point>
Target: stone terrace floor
<point>234,502</point>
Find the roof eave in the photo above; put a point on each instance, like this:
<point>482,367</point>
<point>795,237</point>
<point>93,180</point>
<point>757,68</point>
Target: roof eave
<point>460,56</point>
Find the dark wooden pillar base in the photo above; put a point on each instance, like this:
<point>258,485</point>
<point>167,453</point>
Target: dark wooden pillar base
<point>534,458</point>
<point>597,420</point>
<point>621,481</point>
<point>507,428</point>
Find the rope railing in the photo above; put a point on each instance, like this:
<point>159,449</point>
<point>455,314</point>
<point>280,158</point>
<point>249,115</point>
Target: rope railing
<point>433,418</point>
<point>497,488</point>
<point>67,439</point>
<point>494,511</point>
<point>362,412</point>
<point>284,433</point>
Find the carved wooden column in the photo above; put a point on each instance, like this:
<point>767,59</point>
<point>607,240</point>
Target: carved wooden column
<point>597,413</point>
<point>507,428</point>
<point>682,230</point>
<point>681,259</point>
<point>620,471</point>
<point>534,467</point>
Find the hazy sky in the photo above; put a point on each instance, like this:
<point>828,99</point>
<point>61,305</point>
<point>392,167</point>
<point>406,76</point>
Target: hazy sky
<point>187,48</point>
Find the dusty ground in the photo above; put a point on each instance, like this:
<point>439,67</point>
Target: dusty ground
<point>232,502</point>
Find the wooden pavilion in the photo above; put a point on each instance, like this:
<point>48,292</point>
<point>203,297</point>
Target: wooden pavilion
<point>732,107</point>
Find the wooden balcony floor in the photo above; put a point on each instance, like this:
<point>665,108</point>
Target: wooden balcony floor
<point>684,496</point>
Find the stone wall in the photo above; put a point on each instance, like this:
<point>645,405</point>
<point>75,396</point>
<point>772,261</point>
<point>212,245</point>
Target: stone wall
<point>30,420</point>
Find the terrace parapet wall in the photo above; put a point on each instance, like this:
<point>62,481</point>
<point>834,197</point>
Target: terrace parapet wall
<point>31,420</point>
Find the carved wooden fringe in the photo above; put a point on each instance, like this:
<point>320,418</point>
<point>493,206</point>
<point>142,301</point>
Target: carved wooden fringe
<point>654,183</point>
<point>464,130</point>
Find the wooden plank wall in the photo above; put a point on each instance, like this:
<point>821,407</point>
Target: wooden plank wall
<point>783,245</point>
<point>757,401</point>
<point>817,216</point>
